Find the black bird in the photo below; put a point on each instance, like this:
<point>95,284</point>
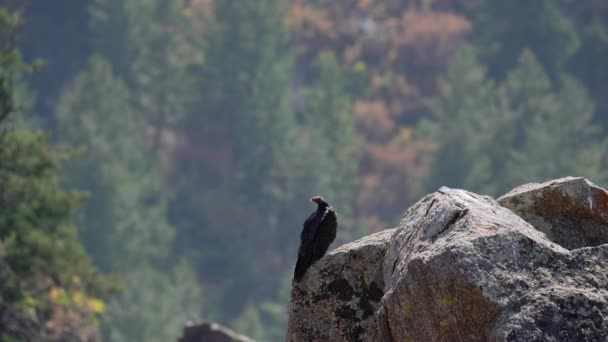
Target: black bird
<point>318,233</point>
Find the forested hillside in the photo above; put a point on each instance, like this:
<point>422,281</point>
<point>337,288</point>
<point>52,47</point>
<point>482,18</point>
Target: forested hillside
<point>203,126</point>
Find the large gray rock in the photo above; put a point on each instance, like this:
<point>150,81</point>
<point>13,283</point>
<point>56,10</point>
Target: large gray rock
<point>337,298</point>
<point>463,268</point>
<point>572,212</point>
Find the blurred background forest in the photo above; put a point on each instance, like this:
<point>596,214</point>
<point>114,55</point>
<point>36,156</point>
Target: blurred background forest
<point>176,143</point>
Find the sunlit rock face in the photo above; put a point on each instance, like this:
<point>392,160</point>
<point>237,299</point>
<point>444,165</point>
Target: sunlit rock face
<point>572,211</point>
<point>463,267</point>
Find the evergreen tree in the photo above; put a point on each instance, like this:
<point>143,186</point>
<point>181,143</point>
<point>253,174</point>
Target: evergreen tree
<point>492,138</point>
<point>45,274</point>
<point>96,111</point>
<point>468,126</point>
<point>126,230</point>
<point>155,305</point>
<point>236,180</point>
<point>588,67</point>
<point>250,68</point>
<point>151,45</point>
<point>557,136</point>
<point>63,48</point>
<point>332,124</point>
<point>504,29</point>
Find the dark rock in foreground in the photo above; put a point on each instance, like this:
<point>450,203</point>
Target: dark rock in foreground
<point>461,267</point>
<point>210,332</point>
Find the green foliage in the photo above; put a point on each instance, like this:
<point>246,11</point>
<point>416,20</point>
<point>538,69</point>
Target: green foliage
<point>330,123</point>
<point>493,137</point>
<point>96,112</point>
<point>39,247</point>
<point>594,74</point>
<point>154,40</point>
<point>274,311</point>
<point>126,230</point>
<point>243,116</point>
<point>154,306</point>
<point>249,65</point>
<point>12,66</point>
<point>250,323</point>
<point>557,135</point>
<point>468,126</point>
<point>542,26</point>
<point>36,226</point>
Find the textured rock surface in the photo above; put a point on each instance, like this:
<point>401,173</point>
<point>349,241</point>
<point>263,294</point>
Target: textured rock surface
<point>573,212</point>
<point>210,332</point>
<point>337,298</point>
<point>463,268</point>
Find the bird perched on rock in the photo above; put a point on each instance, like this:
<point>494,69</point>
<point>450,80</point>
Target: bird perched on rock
<point>318,233</point>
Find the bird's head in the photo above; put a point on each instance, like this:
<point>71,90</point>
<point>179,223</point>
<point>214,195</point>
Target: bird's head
<point>318,200</point>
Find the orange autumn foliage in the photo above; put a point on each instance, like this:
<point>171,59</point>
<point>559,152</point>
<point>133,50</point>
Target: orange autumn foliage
<point>399,46</point>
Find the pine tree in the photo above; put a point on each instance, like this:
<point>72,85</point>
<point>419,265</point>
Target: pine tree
<point>250,68</point>
<point>43,266</point>
<point>527,128</point>
<point>556,134</point>
<point>241,144</point>
<point>468,126</point>
<point>155,305</point>
<point>126,229</point>
<point>504,29</point>
<point>151,45</point>
<point>587,67</point>
<point>96,112</point>
<point>331,122</point>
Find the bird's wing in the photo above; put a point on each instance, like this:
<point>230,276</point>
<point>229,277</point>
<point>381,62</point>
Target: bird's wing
<point>328,216</point>
<point>328,210</point>
<point>311,226</point>
<point>305,252</point>
<point>313,245</point>
<point>326,232</point>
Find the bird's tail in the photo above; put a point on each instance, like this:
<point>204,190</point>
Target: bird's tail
<point>301,266</point>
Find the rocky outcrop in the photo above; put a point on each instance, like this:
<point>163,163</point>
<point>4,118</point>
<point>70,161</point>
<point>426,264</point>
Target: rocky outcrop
<point>338,296</point>
<point>464,268</point>
<point>461,267</point>
<point>572,212</point>
<point>210,332</point>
